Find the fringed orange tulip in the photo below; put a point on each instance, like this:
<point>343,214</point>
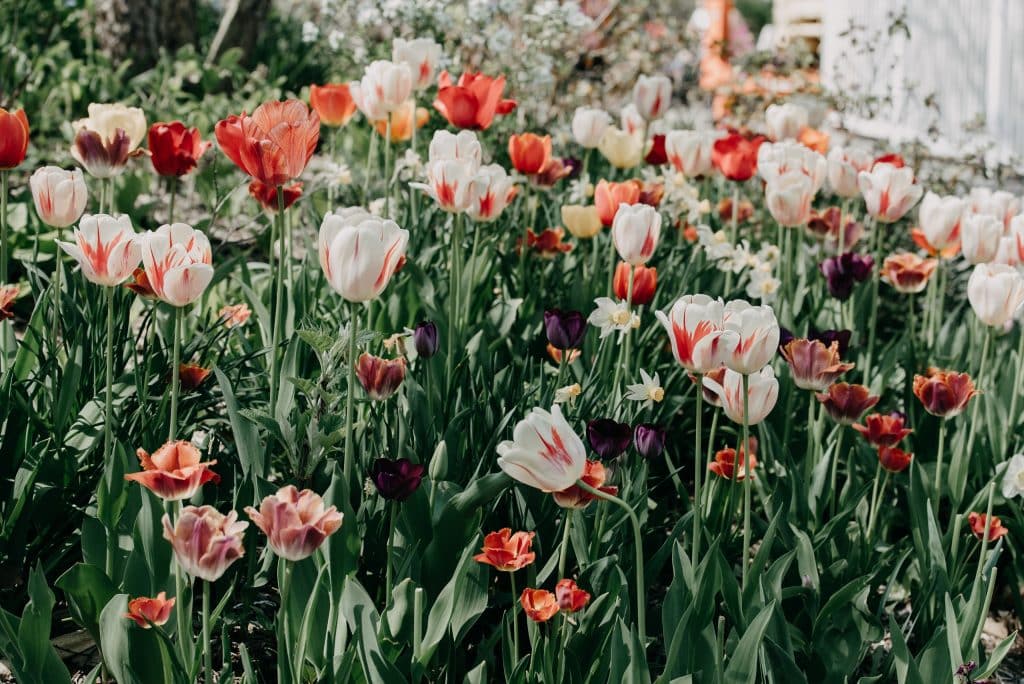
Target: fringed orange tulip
<point>174,471</point>
<point>539,605</point>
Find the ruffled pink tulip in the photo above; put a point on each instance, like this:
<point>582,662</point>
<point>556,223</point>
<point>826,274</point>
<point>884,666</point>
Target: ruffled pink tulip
<point>205,541</point>
<point>174,471</point>
<point>296,523</point>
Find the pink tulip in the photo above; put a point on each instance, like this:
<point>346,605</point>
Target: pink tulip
<point>296,523</point>
<point>174,471</point>
<point>205,541</point>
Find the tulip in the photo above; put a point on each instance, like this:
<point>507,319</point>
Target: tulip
<point>555,170</point>
<point>266,195</point>
<point>396,480</point>
<point>105,247</point>
<point>944,393</point>
<point>506,551</point>
<point>883,430</point>
<point>192,375</point>
<point>844,166</point>
<point>645,282</point>
<point>730,467</point>
<point>547,244</point>
<point>736,156</point>
<point>565,330</point>
<point>981,525</point>
<point>652,96</point>
<point>360,252</point>
<point>752,336</point>
<point>785,121</point>
<point>274,144</point>
<point>450,183</point>
<point>174,149</point>
<point>384,87</point>
<point>891,158</point>
<point>589,125</point>
<point>996,293</point>
<point>889,192</point>
<point>813,365</point>
<point>544,452</point>
<point>894,459</point>
<point>8,293</point>
<point>762,393</point>
<point>529,152</point>
<point>147,612</point>
<point>622,149</point>
<point>234,315</point>
<point>788,197</point>
<point>296,523</point>
<point>333,103</point>
<point>656,154</point>
<point>582,222</point>
<point>777,159</point>
<point>608,438</point>
<point>608,197</point>
<point>178,261</point>
<point>649,440</point>
<point>635,232</point>
<point>846,403</point>
<point>689,152</point>
<point>940,218</point>
<point>631,120</point>
<point>571,598</point>
<point>979,238</point>
<point>826,337</point>
<point>380,377</point>
<point>1001,204</point>
<point>1013,479</point>
<point>574,497</point>
<point>473,101</point>
<point>907,272</point>
<point>14,135</point>
<point>139,284</point>
<point>463,146</point>
<point>205,542</point>
<point>814,139</point>
<point>695,328</point>
<point>538,604</point>
<point>174,471</point>
<point>102,158</point>
<point>405,116</point>
<point>424,339</point>
<point>421,55</point>
<point>836,229</point>
<point>60,196</point>
<point>491,190</point>
<point>844,271</point>
<point>107,119</point>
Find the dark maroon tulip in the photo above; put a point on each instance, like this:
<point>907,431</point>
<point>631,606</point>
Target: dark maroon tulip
<point>844,271</point>
<point>565,329</point>
<point>656,156</point>
<point>574,165</point>
<point>608,438</point>
<point>424,339</point>
<point>649,440</point>
<point>396,480</point>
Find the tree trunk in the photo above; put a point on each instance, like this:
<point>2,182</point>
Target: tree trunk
<point>139,29</point>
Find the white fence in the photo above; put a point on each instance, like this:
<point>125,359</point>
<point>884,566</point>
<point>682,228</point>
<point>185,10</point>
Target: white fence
<point>966,54</point>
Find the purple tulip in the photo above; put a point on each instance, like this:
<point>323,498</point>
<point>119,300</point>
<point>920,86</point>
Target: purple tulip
<point>396,480</point>
<point>424,339</point>
<point>608,438</point>
<point>564,329</point>
<point>574,165</point>
<point>649,440</point>
<point>844,271</point>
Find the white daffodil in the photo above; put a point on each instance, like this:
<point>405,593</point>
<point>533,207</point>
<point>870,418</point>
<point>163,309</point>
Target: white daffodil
<point>648,390</point>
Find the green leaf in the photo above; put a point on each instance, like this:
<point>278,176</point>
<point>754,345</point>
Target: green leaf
<point>88,590</point>
<point>742,667</point>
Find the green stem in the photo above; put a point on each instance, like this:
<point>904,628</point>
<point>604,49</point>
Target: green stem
<point>834,477</point>
<point>563,552</point>
<point>454,287</point>
<point>876,494</point>
<point>371,151</point>
<point>170,204</point>
<point>515,619</point>
<point>182,611</point>
<point>283,642</point>
<point>172,429</point>
<point>108,417</point>
<point>641,609</point>
<point>3,259</point>
<point>746,480</point>
<point>387,163</point>
<point>698,468</point>
<point>972,431</point>
<point>347,468</point>
<point>278,311</point>
<point>984,537</point>
<point>207,643</point>
<point>734,227</point>
<point>393,515</point>
<point>938,463</point>
<point>1015,391</point>
<point>873,309</point>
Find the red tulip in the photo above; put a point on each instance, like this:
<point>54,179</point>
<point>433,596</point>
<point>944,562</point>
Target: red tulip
<point>274,144</point>
<point>979,523</point>
<point>894,459</point>
<point>266,195</point>
<point>645,282</point>
<point>473,101</point>
<point>506,551</point>
<point>192,375</point>
<point>174,149</point>
<point>736,156</point>
<point>147,612</point>
<point>174,471</point>
<point>846,403</point>
<point>380,377</point>
<point>883,430</point>
<point>570,597</point>
<point>14,133</point>
<point>656,155</point>
<point>944,393</point>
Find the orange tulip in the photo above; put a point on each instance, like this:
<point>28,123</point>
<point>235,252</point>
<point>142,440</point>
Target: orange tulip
<point>907,272</point>
<point>174,471</point>
<point>979,523</point>
<point>333,103</point>
<point>401,122</point>
<point>574,497</point>
<point>539,605</point>
<point>814,139</point>
<point>529,152</point>
<point>473,101</point>
<point>726,463</point>
<point>944,393</point>
<point>14,133</point>
<point>274,144</point>
<point>380,377</point>
<point>645,282</point>
<point>147,612</point>
<point>608,197</point>
<point>506,551</point>
<point>736,156</point>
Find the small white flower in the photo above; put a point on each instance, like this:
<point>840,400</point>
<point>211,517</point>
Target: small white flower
<point>310,32</point>
<point>1013,480</point>
<point>568,393</point>
<point>610,316</point>
<point>377,206</point>
<point>648,390</point>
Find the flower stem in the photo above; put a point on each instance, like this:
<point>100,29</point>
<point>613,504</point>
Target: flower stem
<point>834,476</point>
<point>393,520</point>
<point>734,227</point>
<point>282,621</point>
<point>172,429</point>
<point>278,313</point>
<point>876,494</point>
<point>207,643</point>
<point>347,464</point>
<point>873,309</point>
<point>563,552</point>
<point>3,261</point>
<point>108,416</point>
<point>641,609</point>
<point>938,463</point>
<point>698,468</point>
<point>1015,391</point>
<point>515,619</point>
<point>170,204</point>
<point>972,431</point>
<point>454,286</point>
<point>984,538</point>
<point>746,480</point>
<point>387,163</point>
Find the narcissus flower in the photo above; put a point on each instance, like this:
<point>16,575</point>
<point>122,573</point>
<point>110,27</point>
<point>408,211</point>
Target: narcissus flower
<point>60,196</point>
<point>421,55</point>
<point>14,135</point>
<point>1013,479</point>
<point>296,523</point>
<point>785,121</point>
<point>570,597</point>
<point>589,125</point>
<point>174,471</point>
<point>611,316</point>
<point>274,144</point>
<point>266,195</point>
<point>575,497</point>
<point>8,293</point>
<point>883,430</point>
<point>813,365</point>
<point>397,479</point>
<point>174,149</point>
<point>695,327</point>
<point>645,283</point>
<point>333,103</point>
<point>506,551</point>
<point>751,336</point>
<point>727,466</point>
<point>689,152</point>
<point>844,271</point>
<point>544,452</point>
<point>234,315</point>
<point>652,95</point>
<point>944,393</point>
<point>982,526</point>
<point>648,390</point>
<point>178,261</point>
<point>608,438</point>
<point>889,192</point>
<point>205,541</point>
<point>582,222</point>
<point>894,459</point>
<point>564,329</point>
<point>762,393</point>
<point>380,377</point>
<point>539,605</point>
<point>146,612</point>
<point>106,248</point>
<point>192,375</point>
<point>608,197</point>
<point>529,152</point>
<point>569,393</point>
<point>736,156</point>
<point>846,403</point>
<point>360,252</point>
<point>996,293</point>
<point>473,101</point>
<point>907,272</point>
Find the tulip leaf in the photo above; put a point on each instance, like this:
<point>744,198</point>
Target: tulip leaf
<point>742,666</point>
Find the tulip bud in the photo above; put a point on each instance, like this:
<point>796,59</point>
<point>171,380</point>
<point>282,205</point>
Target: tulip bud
<point>649,440</point>
<point>424,339</point>
<point>843,167</point>
<point>529,152</point>
<point>689,152</point>
<point>380,377</point>
<point>889,192</point>
<point>296,523</point>
<point>383,88</point>
<point>105,247</point>
<point>14,135</point>
<point>635,232</point>
<point>439,462</point>
<point>60,196</point>
<point>589,125</point>
<point>788,197</point>
<point>205,542</point>
<point>996,293</point>
<point>564,329</point>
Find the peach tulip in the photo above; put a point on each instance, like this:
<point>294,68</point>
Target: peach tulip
<point>296,523</point>
<point>147,612</point>
<point>174,471</point>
